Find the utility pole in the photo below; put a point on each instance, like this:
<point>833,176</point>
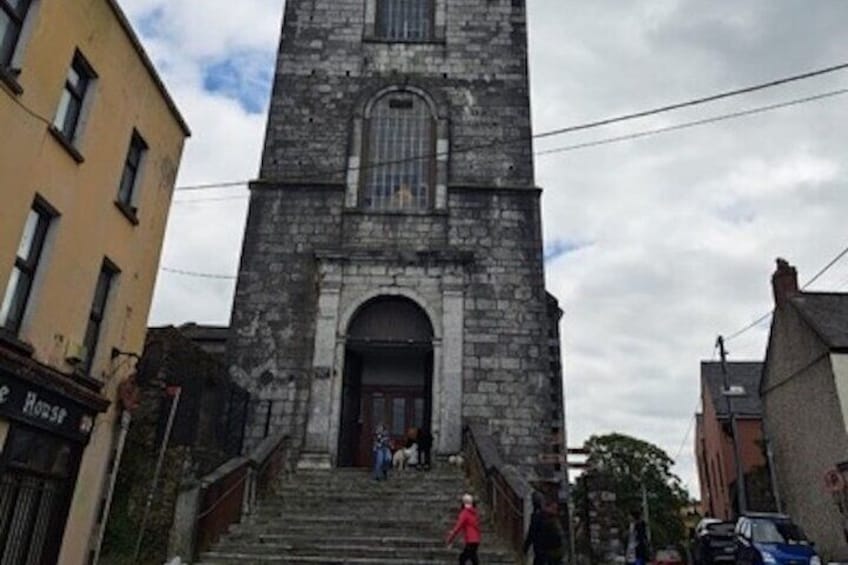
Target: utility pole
<point>741,491</point>
<point>646,510</point>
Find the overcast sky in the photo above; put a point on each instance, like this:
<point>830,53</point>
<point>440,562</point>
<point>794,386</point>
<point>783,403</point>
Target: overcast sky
<point>654,246</point>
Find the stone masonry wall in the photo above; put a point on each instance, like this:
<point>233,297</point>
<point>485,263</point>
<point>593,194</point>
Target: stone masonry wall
<point>506,358</point>
<point>326,71</point>
<point>274,314</point>
<point>488,235</point>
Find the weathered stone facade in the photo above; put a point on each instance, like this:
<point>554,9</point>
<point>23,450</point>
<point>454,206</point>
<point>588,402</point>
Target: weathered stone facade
<point>314,256</point>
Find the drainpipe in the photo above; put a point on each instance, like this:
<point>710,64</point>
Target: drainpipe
<point>775,491</point>
<point>174,391</point>
<point>126,418</point>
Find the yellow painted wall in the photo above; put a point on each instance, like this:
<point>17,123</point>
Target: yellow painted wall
<point>4,432</point>
<point>125,96</point>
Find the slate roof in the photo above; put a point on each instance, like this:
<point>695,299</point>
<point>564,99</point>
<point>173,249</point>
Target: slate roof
<point>827,314</point>
<point>740,373</point>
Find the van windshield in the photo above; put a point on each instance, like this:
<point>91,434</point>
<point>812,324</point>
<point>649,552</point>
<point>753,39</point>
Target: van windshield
<point>767,531</point>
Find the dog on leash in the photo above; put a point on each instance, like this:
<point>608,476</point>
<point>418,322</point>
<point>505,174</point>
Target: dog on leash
<point>405,457</point>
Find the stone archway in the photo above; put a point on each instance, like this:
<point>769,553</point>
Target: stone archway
<point>388,375</point>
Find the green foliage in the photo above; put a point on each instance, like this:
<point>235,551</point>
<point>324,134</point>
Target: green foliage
<point>621,464</point>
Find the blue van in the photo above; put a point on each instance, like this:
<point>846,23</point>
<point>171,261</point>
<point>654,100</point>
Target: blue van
<point>772,539</point>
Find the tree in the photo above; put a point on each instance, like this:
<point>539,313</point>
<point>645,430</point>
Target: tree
<point>620,464</point>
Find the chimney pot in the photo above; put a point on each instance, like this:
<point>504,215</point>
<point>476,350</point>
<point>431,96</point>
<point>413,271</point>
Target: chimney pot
<point>784,282</point>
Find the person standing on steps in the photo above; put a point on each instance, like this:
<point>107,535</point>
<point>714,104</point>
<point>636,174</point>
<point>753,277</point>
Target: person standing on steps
<point>534,531</point>
<point>467,524</point>
<point>382,453</point>
<point>425,444</point>
<point>545,532</point>
<point>637,540</point>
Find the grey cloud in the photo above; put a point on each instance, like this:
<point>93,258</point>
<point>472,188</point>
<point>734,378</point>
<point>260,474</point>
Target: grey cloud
<point>684,226</point>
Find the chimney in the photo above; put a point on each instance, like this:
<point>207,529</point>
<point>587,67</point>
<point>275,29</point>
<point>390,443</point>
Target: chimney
<point>784,282</point>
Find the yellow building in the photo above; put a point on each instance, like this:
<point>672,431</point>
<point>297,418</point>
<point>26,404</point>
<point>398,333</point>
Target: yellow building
<point>90,143</point>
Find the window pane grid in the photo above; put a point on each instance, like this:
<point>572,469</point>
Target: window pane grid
<point>12,15</point>
<point>20,282</point>
<point>70,104</point>
<point>408,20</point>
<point>131,168</point>
<point>400,135</point>
<point>95,319</point>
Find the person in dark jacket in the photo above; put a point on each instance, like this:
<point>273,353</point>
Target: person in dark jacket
<point>544,533</point>
<point>425,444</point>
<point>467,524</point>
<point>534,531</point>
<point>637,540</point>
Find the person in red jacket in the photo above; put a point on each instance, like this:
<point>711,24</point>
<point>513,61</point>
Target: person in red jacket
<point>468,524</point>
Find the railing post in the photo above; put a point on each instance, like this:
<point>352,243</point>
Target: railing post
<point>182,540</point>
<point>249,496</point>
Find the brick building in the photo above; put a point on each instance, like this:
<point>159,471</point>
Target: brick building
<point>714,444</point>
<point>392,265</point>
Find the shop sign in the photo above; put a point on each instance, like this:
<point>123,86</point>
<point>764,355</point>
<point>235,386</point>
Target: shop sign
<point>22,401</point>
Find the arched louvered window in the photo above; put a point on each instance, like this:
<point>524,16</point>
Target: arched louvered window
<point>405,20</point>
<point>401,153</point>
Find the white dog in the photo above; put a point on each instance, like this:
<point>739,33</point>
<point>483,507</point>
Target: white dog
<point>456,460</point>
<point>405,457</point>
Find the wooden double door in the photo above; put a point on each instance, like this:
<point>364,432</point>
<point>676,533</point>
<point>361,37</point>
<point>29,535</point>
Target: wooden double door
<point>398,409</point>
<point>392,387</point>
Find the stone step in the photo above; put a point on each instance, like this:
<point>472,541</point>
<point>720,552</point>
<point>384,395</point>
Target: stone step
<point>417,539</point>
<point>366,474</point>
<point>344,516</point>
<point>330,547</point>
<point>219,558</point>
<point>368,483</point>
<point>304,521</point>
<point>356,507</point>
<point>357,496</point>
<point>373,516</point>
<point>354,529</point>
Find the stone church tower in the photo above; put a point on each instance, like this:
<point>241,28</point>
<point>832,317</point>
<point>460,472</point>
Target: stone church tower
<point>392,269</point>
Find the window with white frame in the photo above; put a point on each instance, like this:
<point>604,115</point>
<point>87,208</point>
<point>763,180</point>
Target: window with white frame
<point>132,168</point>
<point>12,16</point>
<point>77,83</point>
<point>400,153</point>
<point>405,20</point>
<point>23,272</point>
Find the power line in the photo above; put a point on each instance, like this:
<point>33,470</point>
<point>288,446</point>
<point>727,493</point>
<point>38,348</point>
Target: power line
<point>198,274</point>
<point>213,199</point>
<point>750,326</point>
<point>827,267</point>
<point>685,125</point>
<point>816,277</point>
<point>686,437</point>
<point>596,143</point>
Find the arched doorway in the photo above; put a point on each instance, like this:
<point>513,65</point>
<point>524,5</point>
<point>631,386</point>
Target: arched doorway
<point>388,375</point>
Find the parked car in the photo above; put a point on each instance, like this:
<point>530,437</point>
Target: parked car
<point>715,542</point>
<point>668,557</point>
<point>772,539</point>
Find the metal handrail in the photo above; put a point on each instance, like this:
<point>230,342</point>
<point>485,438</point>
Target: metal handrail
<point>221,498</point>
<point>512,525</point>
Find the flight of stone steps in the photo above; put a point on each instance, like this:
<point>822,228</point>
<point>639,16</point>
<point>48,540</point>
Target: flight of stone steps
<point>344,516</point>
